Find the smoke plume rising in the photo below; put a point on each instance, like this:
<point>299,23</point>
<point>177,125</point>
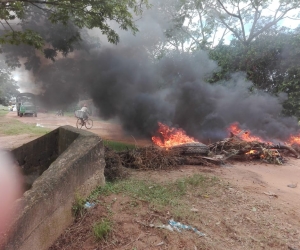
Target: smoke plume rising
<point>126,82</point>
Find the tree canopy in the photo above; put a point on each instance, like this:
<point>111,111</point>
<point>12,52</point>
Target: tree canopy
<point>201,24</point>
<point>240,35</point>
<point>8,86</point>
<point>82,13</point>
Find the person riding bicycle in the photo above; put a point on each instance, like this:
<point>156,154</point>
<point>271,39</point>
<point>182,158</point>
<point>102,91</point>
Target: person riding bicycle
<point>85,113</point>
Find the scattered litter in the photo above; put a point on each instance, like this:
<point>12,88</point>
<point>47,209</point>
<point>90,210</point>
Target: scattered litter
<point>294,185</point>
<point>39,125</point>
<point>177,226</point>
<point>166,227</point>
<point>89,205</point>
<point>254,209</point>
<point>160,244</point>
<point>194,209</point>
<point>271,194</point>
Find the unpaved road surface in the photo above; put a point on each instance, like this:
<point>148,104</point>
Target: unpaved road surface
<point>107,130</point>
<point>258,177</point>
<point>255,181</point>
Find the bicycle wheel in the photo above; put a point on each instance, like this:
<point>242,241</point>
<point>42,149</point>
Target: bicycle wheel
<point>88,123</point>
<point>79,123</point>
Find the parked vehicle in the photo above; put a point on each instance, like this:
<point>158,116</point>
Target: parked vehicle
<point>26,104</point>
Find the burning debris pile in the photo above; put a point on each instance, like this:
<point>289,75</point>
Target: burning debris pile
<point>172,147</point>
<point>236,148</point>
<point>242,145</point>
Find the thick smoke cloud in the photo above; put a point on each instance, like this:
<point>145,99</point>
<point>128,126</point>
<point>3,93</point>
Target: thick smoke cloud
<point>125,82</point>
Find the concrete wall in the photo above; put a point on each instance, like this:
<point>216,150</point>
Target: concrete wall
<point>47,206</point>
<point>37,155</point>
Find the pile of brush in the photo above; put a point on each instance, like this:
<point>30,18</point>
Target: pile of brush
<point>149,158</point>
<point>236,148</point>
<point>156,158</point>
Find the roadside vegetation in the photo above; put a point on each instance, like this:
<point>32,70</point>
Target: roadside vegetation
<point>118,146</point>
<point>13,127</point>
<point>102,229</point>
<point>136,213</point>
<point>3,112</point>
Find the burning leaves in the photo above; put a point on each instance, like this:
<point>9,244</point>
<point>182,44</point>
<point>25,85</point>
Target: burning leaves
<point>242,145</point>
<point>236,148</point>
<point>174,147</point>
<point>168,137</point>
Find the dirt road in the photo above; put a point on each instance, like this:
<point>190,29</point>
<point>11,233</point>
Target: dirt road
<point>256,176</point>
<point>107,130</point>
<point>263,182</point>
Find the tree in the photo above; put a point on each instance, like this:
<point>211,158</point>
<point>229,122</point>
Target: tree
<point>248,19</point>
<point>204,24</point>
<point>82,13</point>
<point>271,62</point>
<point>59,40</point>
<point>8,86</point>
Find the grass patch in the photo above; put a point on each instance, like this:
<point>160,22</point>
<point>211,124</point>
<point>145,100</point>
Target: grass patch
<point>102,229</point>
<point>118,146</point>
<point>159,195</point>
<point>78,206</point>
<point>14,127</point>
<point>3,112</point>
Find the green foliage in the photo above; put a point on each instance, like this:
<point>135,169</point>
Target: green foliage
<point>102,229</point>
<point>271,63</point>
<point>19,37</point>
<point>118,146</point>
<point>82,13</point>
<point>78,206</point>
<point>8,86</point>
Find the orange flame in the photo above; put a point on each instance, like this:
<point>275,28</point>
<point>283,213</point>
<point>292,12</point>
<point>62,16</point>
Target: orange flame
<point>294,139</point>
<point>244,135</point>
<point>169,137</point>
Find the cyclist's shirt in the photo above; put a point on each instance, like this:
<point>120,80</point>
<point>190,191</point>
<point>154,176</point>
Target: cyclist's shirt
<point>86,112</point>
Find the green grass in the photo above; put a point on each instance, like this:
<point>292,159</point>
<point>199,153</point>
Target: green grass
<point>14,127</point>
<point>158,194</point>
<point>102,229</point>
<point>3,112</point>
<point>118,146</point>
<point>173,196</point>
<point>78,206</point>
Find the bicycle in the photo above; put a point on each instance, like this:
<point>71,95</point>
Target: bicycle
<point>59,113</point>
<point>88,123</point>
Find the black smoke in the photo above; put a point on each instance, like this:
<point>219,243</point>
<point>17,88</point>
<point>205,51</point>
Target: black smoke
<point>128,82</point>
<point>125,83</point>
